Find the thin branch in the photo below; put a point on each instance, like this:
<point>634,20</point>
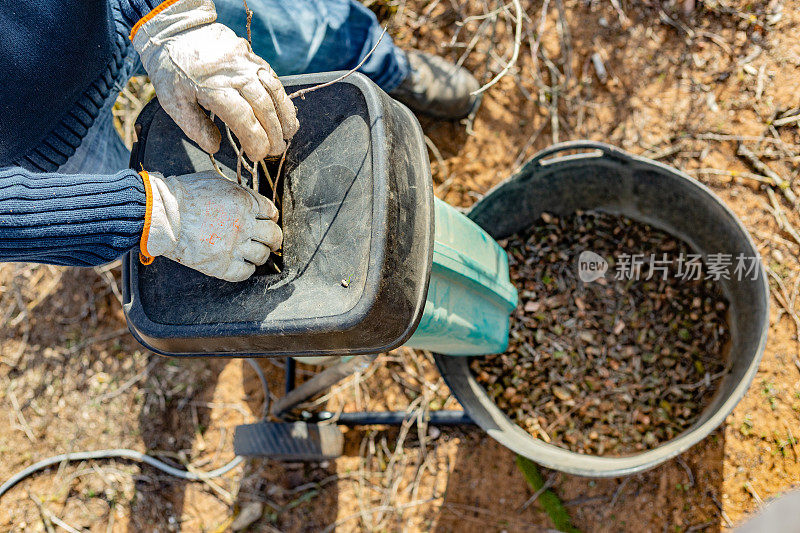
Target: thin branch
<point>536,43</point>
<point>240,161</point>
<point>722,137</point>
<point>781,297</point>
<point>623,18</point>
<point>280,171</point>
<point>216,166</point>
<point>445,186</point>
<point>566,42</point>
<point>514,55</point>
<point>781,218</point>
<point>762,167</point>
<point>48,526</point>
<point>302,92</point>
<point>20,417</point>
<point>211,156</point>
<point>249,21</point>
<point>266,174</point>
<point>736,174</point>
<point>549,482</point>
<point>238,154</point>
<point>254,177</point>
<point>786,120</point>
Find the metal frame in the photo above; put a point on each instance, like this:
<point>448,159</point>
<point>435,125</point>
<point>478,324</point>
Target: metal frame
<point>374,418</point>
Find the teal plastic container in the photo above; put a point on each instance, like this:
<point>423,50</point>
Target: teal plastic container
<point>470,296</point>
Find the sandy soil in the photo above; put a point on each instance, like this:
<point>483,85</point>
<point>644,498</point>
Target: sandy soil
<point>680,87</point>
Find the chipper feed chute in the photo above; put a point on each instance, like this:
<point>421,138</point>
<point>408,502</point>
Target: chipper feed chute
<point>359,271</point>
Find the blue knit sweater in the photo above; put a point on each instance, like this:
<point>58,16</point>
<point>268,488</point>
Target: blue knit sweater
<point>59,61</point>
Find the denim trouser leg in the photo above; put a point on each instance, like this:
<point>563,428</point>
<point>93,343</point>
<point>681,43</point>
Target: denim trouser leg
<point>303,36</point>
<point>293,36</point>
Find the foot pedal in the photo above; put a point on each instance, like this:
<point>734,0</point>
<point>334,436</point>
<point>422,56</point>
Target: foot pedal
<point>289,441</point>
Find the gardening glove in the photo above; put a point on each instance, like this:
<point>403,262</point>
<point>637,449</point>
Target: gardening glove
<point>193,62</point>
<point>208,223</point>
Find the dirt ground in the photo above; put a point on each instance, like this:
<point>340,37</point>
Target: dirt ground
<point>685,84</point>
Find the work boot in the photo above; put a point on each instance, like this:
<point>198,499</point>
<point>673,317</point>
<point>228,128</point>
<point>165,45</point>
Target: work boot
<point>437,88</point>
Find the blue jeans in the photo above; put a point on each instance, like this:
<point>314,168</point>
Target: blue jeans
<point>293,36</point>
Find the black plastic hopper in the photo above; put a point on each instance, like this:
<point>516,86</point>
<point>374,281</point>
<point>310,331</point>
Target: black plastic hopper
<point>357,214</point>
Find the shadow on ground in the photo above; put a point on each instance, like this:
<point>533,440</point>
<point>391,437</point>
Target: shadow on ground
<point>284,489</point>
<point>677,495</point>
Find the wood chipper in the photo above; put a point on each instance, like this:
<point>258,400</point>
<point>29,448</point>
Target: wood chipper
<point>372,261</point>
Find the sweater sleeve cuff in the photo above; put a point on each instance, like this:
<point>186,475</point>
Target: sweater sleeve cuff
<point>69,219</point>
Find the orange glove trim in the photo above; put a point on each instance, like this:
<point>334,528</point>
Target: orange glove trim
<point>144,255</point>
<point>159,8</point>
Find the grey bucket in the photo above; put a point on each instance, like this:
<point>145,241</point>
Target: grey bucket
<point>602,177</point>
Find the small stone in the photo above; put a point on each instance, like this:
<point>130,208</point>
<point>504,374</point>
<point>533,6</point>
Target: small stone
<point>248,515</point>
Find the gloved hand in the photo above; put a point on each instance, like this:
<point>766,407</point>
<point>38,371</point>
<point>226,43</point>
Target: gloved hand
<point>210,224</point>
<point>193,61</point>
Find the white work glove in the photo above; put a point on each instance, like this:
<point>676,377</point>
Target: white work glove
<point>210,224</point>
<point>195,62</point>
